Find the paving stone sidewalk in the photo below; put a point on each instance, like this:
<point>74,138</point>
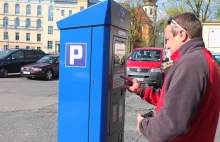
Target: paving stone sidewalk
<point>135,105</point>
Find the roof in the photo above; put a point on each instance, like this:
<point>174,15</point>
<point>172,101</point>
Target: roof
<point>216,53</point>
<point>15,49</point>
<point>53,54</point>
<point>143,16</point>
<point>149,48</point>
<point>211,23</point>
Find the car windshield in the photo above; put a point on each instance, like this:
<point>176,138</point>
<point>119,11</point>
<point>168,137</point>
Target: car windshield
<point>5,53</point>
<point>217,58</point>
<point>47,59</point>
<point>146,55</point>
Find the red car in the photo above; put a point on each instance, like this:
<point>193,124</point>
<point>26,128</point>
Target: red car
<point>47,67</point>
<point>144,65</point>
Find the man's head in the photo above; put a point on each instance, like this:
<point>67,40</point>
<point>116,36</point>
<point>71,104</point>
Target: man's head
<point>182,28</point>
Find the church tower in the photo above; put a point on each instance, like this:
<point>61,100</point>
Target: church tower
<point>150,9</point>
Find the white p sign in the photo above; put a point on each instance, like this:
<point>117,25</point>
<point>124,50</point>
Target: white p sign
<point>75,55</point>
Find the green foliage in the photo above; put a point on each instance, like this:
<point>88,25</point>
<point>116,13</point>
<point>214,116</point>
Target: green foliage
<point>205,10</point>
<point>135,23</point>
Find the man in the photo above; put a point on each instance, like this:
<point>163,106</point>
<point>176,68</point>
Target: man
<point>188,104</point>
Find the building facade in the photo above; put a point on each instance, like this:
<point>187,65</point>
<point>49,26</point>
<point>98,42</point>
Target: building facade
<point>145,38</point>
<point>150,8</point>
<point>211,34</point>
<point>31,24</point>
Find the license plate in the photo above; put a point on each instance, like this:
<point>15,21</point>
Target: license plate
<point>25,72</point>
<point>140,79</point>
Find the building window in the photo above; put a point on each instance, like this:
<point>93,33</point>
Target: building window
<point>27,36</point>
<point>38,48</point>
<point>5,8</point>
<point>50,13</point>
<point>16,47</point>
<point>151,11</point>
<point>28,23</point>
<point>94,1</point>
<point>5,22</point>
<point>62,12</point>
<point>5,47</point>
<point>70,12</point>
<point>81,8</point>
<point>38,37</point>
<point>49,44</point>
<point>17,36</point>
<point>17,9</point>
<point>38,23</point>
<point>17,22</point>
<point>5,35</point>
<point>28,10</point>
<point>50,30</point>
<point>28,47</point>
<point>39,10</point>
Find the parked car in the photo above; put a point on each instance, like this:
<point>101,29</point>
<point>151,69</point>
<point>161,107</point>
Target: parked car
<point>47,67</point>
<point>144,65</point>
<point>11,60</point>
<point>216,57</point>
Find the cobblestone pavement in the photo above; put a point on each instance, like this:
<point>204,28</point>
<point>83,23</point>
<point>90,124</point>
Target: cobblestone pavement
<point>135,105</point>
<point>28,111</point>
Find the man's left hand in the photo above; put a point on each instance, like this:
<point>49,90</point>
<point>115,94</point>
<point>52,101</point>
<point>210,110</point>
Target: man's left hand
<point>139,118</point>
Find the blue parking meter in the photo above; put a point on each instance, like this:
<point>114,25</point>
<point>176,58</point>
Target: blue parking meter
<point>93,44</point>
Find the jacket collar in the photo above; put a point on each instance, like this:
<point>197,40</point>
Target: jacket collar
<point>188,47</point>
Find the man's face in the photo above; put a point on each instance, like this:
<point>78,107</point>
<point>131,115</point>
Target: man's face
<point>173,43</point>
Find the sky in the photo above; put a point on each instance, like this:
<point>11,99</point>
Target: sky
<point>160,10</point>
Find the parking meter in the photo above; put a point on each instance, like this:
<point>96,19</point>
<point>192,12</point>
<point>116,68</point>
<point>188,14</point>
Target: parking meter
<point>93,45</point>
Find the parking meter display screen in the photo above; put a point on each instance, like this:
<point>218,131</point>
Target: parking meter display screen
<point>119,53</point>
<point>119,62</point>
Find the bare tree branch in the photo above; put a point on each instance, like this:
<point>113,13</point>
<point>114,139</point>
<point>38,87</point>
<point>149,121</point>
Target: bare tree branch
<point>206,11</point>
<point>188,2</point>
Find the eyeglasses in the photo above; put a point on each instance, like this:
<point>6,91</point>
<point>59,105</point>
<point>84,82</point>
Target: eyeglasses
<point>172,22</point>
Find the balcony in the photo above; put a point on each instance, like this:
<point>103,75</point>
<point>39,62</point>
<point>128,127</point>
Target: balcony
<point>9,27</point>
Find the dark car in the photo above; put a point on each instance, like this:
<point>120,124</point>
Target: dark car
<point>47,67</point>
<point>11,60</point>
<point>216,57</point>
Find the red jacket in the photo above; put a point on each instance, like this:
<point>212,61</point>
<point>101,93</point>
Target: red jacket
<point>188,104</point>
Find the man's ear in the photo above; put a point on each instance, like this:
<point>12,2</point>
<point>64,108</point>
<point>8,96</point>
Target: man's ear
<point>183,35</point>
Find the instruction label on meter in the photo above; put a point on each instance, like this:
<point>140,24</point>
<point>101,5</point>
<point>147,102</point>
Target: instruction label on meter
<point>117,81</point>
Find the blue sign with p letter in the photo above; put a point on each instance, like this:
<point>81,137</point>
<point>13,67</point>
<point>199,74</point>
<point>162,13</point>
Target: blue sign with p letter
<point>75,55</point>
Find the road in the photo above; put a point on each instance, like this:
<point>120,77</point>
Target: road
<point>28,111</point>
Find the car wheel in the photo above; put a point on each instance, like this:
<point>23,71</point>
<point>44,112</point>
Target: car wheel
<point>48,75</point>
<point>4,72</point>
<point>29,77</point>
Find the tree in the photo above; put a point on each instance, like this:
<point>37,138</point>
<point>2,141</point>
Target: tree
<point>160,26</point>
<point>203,9</point>
<point>218,15</point>
<point>136,24</point>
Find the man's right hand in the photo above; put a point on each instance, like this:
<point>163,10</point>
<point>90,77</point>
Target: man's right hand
<point>132,85</point>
